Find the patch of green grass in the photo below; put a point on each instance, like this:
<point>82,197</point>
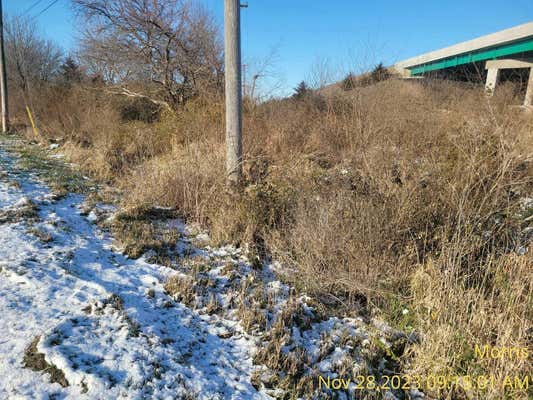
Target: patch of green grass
<point>62,178</point>
<point>57,174</point>
<point>399,313</point>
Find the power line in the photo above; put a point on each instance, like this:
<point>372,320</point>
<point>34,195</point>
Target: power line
<point>32,7</point>
<point>35,5</point>
<point>46,8</point>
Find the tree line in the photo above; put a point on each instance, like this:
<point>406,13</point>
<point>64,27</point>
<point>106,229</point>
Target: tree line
<point>163,51</point>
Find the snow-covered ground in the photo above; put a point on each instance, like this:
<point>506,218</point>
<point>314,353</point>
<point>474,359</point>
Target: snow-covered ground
<point>103,319</point>
<point>214,326</point>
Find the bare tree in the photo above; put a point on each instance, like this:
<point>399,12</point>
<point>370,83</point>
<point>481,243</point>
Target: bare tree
<point>99,61</point>
<point>31,60</point>
<point>322,73</point>
<point>262,78</point>
<point>172,47</point>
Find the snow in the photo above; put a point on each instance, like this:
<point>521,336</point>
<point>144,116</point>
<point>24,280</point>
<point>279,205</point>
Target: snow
<point>106,321</point>
<point>90,307</point>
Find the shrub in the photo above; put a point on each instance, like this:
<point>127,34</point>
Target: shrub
<point>349,82</point>
<point>138,109</point>
<point>379,73</point>
<point>391,196</point>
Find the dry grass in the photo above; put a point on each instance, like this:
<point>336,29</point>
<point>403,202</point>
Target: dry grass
<point>458,312</point>
<point>28,211</point>
<point>392,196</point>
<point>36,362</point>
<point>138,231</point>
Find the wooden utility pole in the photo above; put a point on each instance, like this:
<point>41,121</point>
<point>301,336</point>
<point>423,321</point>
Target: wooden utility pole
<point>232,51</point>
<point>3,76</point>
<point>244,66</point>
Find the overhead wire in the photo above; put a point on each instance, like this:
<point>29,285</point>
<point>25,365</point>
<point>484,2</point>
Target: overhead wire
<point>46,8</point>
<point>35,4</point>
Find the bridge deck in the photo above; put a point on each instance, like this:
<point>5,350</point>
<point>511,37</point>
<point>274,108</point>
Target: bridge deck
<point>514,41</point>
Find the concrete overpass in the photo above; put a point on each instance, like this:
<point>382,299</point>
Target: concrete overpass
<point>508,49</point>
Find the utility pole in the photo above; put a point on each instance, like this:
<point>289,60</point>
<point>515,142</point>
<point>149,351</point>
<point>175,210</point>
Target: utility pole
<point>3,77</point>
<point>232,51</point>
<point>244,67</point>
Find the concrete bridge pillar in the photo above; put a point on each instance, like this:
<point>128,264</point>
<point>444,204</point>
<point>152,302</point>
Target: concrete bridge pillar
<point>493,75</point>
<point>529,92</point>
<point>493,68</point>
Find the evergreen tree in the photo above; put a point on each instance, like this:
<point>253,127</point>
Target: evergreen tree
<point>379,73</point>
<point>301,91</point>
<point>71,71</point>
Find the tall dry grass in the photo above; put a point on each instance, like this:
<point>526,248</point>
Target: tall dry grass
<point>392,197</point>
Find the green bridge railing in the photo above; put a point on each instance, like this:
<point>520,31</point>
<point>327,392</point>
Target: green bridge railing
<point>491,53</point>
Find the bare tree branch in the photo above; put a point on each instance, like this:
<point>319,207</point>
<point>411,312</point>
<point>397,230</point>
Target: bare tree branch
<point>172,44</point>
<point>122,91</point>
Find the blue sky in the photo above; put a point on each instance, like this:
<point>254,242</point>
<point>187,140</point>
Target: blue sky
<point>298,38</point>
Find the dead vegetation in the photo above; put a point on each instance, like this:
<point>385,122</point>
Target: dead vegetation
<point>36,362</point>
<point>139,231</point>
<point>26,211</point>
<point>357,193</point>
<point>115,304</point>
<point>405,200</point>
<point>41,234</point>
